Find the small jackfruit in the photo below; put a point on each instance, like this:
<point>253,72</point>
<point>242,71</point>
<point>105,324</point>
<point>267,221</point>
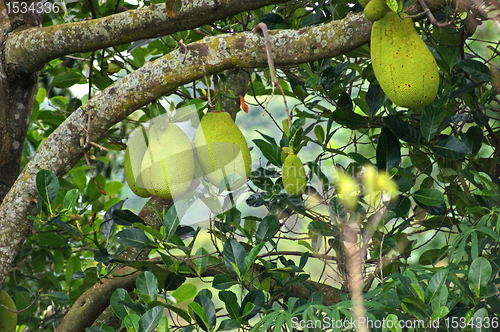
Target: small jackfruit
<point>8,319</point>
<point>405,68</point>
<point>222,149</point>
<point>376,10</point>
<point>168,165</point>
<point>294,175</point>
<point>134,154</point>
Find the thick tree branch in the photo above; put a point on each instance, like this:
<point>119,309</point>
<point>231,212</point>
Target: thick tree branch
<point>62,149</point>
<point>28,49</point>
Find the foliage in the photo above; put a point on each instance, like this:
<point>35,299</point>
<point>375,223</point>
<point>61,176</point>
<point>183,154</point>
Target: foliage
<point>432,252</point>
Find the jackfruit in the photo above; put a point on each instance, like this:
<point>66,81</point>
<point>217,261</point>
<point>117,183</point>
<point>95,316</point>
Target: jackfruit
<point>376,10</point>
<point>363,3</point>
<point>405,68</point>
<point>8,319</point>
<point>134,154</point>
<point>294,175</point>
<point>168,165</point>
<point>222,149</point>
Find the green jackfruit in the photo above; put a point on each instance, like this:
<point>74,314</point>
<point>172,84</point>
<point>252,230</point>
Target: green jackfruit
<point>222,149</point>
<point>134,154</point>
<point>363,3</point>
<point>8,319</point>
<point>294,176</point>
<point>168,165</point>
<point>376,10</point>
<point>405,68</point>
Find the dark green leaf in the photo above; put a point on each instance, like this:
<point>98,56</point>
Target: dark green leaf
<point>375,98</point>
<point>337,211</point>
<point>223,281</point>
<point>67,79</point>
<point>403,130</point>
<point>119,309</point>
<point>320,227</point>
<point>255,297</point>
<point>135,238</point>
<point>172,218</point>
<point>451,148</point>
<point>479,275</point>
<point>231,301</point>
<point>271,152</point>
<point>68,228</point>
<point>208,306</point>
<point>125,217</point>
<point>229,325</point>
<point>70,199</point>
<point>150,319</point>
<point>431,119</point>
<point>388,150</point>
<point>147,284</point>
<point>429,196</point>
<point>267,228</point>
<point>477,70</point>
<point>349,119</point>
<point>47,185</point>
<point>434,288</point>
<point>474,139</point>
<point>234,253</point>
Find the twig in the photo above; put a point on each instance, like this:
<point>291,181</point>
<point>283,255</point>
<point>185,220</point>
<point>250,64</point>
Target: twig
<point>92,173</point>
<point>431,17</point>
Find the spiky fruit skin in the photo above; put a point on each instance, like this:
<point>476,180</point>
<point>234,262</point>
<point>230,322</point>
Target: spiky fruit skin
<point>168,165</point>
<point>294,176</point>
<point>376,10</point>
<point>405,68</point>
<point>134,154</point>
<point>8,319</point>
<point>221,149</point>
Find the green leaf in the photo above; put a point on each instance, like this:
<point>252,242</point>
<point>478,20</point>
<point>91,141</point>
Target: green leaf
<point>147,284</point>
<point>113,187</point>
<point>320,227</point>
<point>57,296</point>
<point>474,139</point>
<point>403,130</point>
<point>229,325</point>
<point>440,313</point>
<point>125,217</point>
<point>437,281</point>
<point>231,301</point>
<point>201,262</point>
<point>431,119</point>
<point>132,322</point>
<point>116,301</point>
<point>150,319</point>
<point>254,252</point>
<point>47,185</point>
<point>479,275</point>
<point>70,199</point>
<point>393,5</point>
<point>429,196</point>
<point>184,293</point>
<point>271,152</point>
<point>337,211</point>
<point>67,79</point>
<point>198,313</point>
<point>349,119</point>
<point>481,319</point>
<point>208,306</point>
<point>267,228</point>
<point>388,150</point>
<point>234,253</point>
<point>451,148</point>
<point>68,228</point>
<point>223,281</point>
<point>135,238</point>
<point>172,218</point>
<point>477,70</point>
<point>375,98</point>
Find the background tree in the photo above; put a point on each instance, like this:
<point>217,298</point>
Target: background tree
<point>69,248</point>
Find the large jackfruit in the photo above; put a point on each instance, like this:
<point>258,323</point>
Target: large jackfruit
<point>404,66</point>
<point>222,149</point>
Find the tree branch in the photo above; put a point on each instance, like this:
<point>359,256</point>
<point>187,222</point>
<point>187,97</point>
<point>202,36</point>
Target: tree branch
<point>27,50</point>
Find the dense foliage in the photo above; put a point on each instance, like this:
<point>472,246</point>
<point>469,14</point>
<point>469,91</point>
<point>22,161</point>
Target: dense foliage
<point>266,259</point>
